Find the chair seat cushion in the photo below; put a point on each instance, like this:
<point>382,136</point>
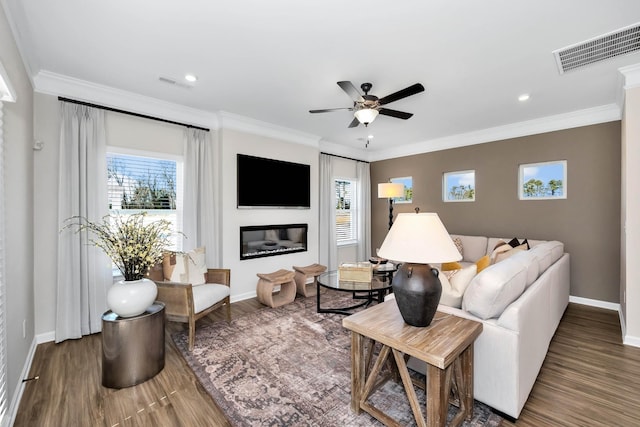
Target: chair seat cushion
<point>207,294</point>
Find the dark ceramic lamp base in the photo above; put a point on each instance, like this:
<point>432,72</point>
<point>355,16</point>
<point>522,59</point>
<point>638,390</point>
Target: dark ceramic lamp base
<point>417,290</point>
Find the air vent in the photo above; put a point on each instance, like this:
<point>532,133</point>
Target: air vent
<point>175,82</point>
<point>620,42</point>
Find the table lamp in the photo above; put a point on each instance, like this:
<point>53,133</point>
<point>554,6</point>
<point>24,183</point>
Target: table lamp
<point>389,190</point>
<point>417,239</point>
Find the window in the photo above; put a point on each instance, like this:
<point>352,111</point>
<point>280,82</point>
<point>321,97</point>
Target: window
<point>459,186</point>
<point>146,182</point>
<point>345,211</point>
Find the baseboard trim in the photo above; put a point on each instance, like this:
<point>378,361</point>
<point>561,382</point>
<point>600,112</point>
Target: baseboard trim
<point>17,394</point>
<point>595,303</point>
<point>241,297</point>
<point>626,339</point>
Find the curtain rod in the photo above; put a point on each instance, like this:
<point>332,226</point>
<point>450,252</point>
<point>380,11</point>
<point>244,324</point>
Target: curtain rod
<point>144,116</point>
<point>343,157</point>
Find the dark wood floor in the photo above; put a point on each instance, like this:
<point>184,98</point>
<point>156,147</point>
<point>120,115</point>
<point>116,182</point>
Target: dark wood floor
<point>588,379</point>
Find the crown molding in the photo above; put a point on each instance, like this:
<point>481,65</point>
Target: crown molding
<point>60,85</point>
<point>257,127</point>
<point>18,23</point>
<point>586,117</point>
<point>631,75</point>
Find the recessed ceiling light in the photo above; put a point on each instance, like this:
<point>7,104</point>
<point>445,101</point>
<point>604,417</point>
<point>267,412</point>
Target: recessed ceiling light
<point>370,136</point>
<point>523,97</point>
<point>190,78</point>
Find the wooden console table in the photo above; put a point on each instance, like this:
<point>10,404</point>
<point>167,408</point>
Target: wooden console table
<point>446,346</point>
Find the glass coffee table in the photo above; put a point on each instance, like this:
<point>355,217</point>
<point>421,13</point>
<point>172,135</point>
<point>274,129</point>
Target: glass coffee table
<point>375,290</point>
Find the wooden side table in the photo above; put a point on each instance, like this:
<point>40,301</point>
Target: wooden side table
<point>446,346</point>
<point>132,347</point>
<point>306,278</point>
<point>267,284</point>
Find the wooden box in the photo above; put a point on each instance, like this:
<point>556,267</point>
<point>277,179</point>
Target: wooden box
<point>355,272</point>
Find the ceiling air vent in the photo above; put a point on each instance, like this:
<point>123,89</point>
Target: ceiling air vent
<point>174,82</point>
<point>616,43</point>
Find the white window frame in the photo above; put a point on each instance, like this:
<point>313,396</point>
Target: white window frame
<point>353,211</point>
<point>179,187</point>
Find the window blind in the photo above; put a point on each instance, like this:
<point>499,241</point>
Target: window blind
<point>3,296</point>
<point>344,214</point>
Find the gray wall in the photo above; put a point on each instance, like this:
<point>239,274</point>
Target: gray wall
<point>587,222</point>
<point>18,187</point>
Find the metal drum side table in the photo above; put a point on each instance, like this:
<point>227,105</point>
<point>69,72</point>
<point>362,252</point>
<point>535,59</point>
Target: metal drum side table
<point>132,347</point>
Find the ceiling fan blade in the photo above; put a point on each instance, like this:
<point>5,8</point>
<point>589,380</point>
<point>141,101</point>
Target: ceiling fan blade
<point>328,110</point>
<point>351,91</point>
<point>408,91</point>
<point>354,123</point>
<point>395,113</point>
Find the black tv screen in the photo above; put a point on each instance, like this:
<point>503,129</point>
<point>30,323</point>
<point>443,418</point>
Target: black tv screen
<point>269,183</point>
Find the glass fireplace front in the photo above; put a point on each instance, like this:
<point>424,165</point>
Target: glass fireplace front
<point>258,241</point>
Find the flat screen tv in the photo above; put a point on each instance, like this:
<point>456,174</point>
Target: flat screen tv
<point>269,183</point>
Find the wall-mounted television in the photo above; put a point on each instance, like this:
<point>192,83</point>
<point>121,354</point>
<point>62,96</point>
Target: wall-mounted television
<point>270,183</point>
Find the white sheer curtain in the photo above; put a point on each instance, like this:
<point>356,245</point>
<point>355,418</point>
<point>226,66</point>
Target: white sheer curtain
<point>200,213</point>
<point>363,204</point>
<point>84,271</point>
<point>328,245</point>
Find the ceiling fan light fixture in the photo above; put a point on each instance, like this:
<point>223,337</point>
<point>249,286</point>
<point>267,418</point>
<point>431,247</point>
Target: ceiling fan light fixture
<point>366,115</point>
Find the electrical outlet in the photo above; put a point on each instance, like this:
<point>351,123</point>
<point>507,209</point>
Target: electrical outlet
<point>24,328</point>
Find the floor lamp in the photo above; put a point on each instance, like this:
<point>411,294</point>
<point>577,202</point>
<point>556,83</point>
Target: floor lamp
<point>389,190</point>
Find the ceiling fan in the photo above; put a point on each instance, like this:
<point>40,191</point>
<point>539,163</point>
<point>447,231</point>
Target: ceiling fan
<point>367,107</point>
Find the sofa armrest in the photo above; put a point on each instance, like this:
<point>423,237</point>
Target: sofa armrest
<point>177,297</point>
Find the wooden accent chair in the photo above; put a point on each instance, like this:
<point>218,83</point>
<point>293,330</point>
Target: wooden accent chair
<point>186,303</point>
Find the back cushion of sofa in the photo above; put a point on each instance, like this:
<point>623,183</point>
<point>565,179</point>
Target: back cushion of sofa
<point>473,247</point>
<point>548,253</point>
<point>530,261</point>
<point>494,288</point>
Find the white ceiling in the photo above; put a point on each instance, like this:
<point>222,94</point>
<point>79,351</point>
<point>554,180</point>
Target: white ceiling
<point>273,61</point>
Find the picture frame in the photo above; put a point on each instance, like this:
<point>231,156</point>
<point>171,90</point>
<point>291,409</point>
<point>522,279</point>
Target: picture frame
<point>407,181</point>
<point>543,180</point>
<point>459,186</point>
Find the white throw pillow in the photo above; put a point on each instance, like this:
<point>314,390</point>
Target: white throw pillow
<point>454,283</point>
<point>494,288</point>
<point>196,266</point>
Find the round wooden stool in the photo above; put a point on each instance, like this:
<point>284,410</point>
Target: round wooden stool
<point>306,278</point>
<point>267,284</point>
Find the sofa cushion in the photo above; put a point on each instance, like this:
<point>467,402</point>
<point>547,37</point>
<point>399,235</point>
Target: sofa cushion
<point>500,256</point>
<point>459,246</point>
<point>530,260</point>
<point>483,263</point>
<point>448,266</point>
<point>493,289</point>
<point>474,247</point>
<point>189,267</point>
<point>454,283</point>
<point>207,294</point>
<point>548,253</point>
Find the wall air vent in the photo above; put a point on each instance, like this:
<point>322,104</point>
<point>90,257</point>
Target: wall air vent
<point>616,43</point>
<point>175,82</point>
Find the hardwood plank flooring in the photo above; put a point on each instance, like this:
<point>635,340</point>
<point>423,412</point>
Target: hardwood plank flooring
<point>588,379</point>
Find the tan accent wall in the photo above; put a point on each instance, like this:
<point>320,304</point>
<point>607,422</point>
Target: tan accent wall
<point>587,222</point>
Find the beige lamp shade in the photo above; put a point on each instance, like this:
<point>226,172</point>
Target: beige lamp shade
<point>419,238</point>
<point>388,190</point>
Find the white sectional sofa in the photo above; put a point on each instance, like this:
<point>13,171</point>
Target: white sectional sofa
<point>520,301</point>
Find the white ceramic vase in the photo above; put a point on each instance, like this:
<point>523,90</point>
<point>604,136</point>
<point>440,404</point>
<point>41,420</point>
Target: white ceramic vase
<point>131,298</point>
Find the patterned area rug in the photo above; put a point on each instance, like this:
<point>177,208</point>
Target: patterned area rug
<point>291,366</point>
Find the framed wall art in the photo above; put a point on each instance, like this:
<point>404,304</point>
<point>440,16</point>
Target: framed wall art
<point>407,181</point>
<point>543,181</point>
<point>459,186</point>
